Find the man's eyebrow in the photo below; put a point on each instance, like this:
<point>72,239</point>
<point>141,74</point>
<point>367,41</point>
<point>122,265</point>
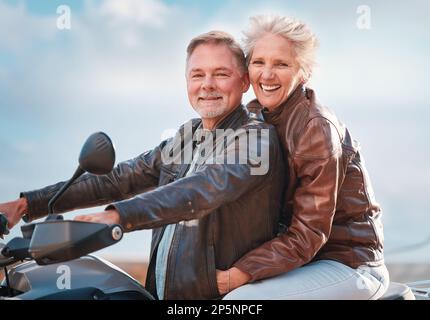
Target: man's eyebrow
<point>225,69</point>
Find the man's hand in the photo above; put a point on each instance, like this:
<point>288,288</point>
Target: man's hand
<point>13,211</point>
<point>107,217</point>
<point>231,279</point>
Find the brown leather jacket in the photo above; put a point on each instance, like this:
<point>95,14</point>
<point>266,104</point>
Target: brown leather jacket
<point>329,207</point>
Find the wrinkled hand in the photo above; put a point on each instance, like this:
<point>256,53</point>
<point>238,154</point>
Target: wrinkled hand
<point>107,217</point>
<point>231,279</point>
<point>13,211</point>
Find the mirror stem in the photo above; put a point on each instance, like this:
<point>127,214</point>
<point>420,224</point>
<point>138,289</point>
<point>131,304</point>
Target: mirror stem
<point>79,171</point>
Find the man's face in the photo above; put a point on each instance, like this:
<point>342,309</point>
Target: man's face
<point>215,83</point>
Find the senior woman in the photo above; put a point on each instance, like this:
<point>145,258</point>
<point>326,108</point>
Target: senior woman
<point>332,246</point>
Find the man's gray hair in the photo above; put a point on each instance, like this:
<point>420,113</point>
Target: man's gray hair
<point>219,37</point>
<point>301,37</point>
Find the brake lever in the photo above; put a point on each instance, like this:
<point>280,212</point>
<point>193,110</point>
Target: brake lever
<point>4,230</point>
<point>5,261</point>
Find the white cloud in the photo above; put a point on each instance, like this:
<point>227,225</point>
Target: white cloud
<point>141,12</point>
<point>96,61</point>
<point>18,28</point>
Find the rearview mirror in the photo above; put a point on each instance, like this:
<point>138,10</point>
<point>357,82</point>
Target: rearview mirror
<point>97,157</point>
<point>98,154</point>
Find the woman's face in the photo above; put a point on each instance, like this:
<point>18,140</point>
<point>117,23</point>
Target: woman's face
<point>273,70</point>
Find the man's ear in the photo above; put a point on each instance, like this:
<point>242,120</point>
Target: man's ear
<point>245,81</point>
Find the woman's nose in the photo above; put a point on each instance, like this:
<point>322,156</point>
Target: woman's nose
<point>267,73</point>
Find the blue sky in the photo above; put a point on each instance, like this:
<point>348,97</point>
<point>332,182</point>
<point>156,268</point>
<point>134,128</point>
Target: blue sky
<point>120,69</point>
<point>46,7</point>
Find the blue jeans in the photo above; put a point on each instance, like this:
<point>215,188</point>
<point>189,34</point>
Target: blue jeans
<point>319,280</point>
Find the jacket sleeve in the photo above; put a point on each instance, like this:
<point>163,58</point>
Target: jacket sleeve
<point>196,195</point>
<point>319,171</point>
<point>127,178</point>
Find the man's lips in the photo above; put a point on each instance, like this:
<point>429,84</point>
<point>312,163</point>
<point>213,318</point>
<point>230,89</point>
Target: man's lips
<point>210,98</point>
<point>269,88</point>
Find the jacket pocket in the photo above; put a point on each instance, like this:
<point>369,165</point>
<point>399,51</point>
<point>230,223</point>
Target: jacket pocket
<point>166,176</point>
<point>378,230</point>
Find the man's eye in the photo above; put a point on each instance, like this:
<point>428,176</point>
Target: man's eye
<point>196,76</point>
<point>221,75</point>
<point>282,64</point>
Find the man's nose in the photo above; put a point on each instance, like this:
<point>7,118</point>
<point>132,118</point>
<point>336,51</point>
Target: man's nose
<point>208,83</point>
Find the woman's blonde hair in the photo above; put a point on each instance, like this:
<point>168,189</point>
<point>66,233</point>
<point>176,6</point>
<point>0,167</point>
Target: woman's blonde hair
<point>301,37</point>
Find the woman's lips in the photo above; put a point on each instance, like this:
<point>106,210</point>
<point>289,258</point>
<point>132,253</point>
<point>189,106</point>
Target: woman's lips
<point>269,88</point>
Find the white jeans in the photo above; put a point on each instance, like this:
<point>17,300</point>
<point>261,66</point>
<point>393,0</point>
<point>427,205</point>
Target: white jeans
<point>321,280</point>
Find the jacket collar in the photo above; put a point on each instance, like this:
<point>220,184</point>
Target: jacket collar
<point>274,116</point>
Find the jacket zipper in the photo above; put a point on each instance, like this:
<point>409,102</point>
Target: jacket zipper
<point>169,263</point>
<point>369,204</point>
<point>173,243</point>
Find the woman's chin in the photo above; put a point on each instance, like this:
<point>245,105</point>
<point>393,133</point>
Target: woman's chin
<point>268,102</point>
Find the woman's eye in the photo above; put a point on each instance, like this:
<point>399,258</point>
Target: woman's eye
<point>257,62</point>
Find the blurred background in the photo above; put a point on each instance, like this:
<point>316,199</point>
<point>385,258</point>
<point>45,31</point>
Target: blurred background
<point>120,66</point>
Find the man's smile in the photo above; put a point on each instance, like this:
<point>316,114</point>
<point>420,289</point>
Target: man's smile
<point>209,98</point>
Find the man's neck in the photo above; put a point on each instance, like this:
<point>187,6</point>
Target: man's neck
<point>213,123</point>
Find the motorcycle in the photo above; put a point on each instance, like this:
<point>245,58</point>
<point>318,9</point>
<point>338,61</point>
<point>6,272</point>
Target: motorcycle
<point>56,263</point>
<point>52,260</point>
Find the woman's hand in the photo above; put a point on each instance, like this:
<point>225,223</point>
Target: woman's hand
<point>107,217</point>
<point>230,279</point>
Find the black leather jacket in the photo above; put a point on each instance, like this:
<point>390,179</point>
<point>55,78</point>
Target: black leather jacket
<point>236,210</point>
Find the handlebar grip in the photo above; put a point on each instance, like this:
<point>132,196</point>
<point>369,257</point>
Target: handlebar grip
<point>3,225</point>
